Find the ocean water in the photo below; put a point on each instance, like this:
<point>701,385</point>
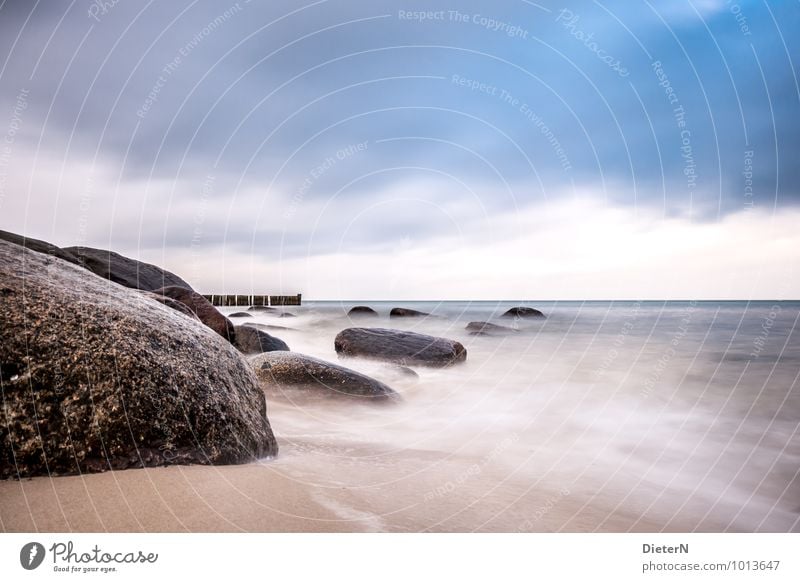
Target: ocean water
<point>680,414</point>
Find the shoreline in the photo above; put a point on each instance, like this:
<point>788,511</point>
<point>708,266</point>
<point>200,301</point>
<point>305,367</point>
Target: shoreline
<point>266,497</point>
<point>305,489</point>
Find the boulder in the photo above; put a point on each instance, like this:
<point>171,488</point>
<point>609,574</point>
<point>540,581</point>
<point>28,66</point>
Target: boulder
<point>486,328</point>
<point>127,272</point>
<point>523,312</point>
<point>250,340</point>
<point>106,264</point>
<point>403,312</point>
<point>400,347</point>
<point>98,377</point>
<point>202,308</point>
<point>287,314</point>
<point>172,304</point>
<point>280,371</point>
<point>241,314</point>
<point>37,245</point>
<point>260,308</point>
<point>361,311</point>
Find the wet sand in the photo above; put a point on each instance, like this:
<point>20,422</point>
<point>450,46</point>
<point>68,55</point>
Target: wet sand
<point>257,498</point>
<point>309,489</point>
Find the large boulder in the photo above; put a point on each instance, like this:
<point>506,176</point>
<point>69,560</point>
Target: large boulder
<point>125,271</point>
<point>362,311</point>
<point>280,371</point>
<point>400,347</point>
<point>97,377</point>
<point>172,304</point>
<point>39,246</point>
<point>251,340</point>
<point>403,312</point>
<point>202,308</point>
<point>523,312</point>
<point>106,264</point>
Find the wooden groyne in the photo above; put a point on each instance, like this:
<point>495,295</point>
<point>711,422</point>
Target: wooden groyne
<point>247,300</point>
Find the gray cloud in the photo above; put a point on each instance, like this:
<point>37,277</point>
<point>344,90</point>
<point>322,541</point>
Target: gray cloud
<point>513,103</point>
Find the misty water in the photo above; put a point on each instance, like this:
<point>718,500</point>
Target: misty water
<point>680,413</point>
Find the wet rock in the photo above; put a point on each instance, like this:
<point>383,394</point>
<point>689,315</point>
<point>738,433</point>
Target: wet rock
<point>251,340</point>
<point>401,347</point>
<point>106,264</point>
<point>280,371</point>
<point>260,308</point>
<point>523,312</point>
<point>171,303</point>
<point>486,328</point>
<point>202,308</point>
<point>362,311</point>
<point>403,312</point>
<point>99,377</point>
<point>125,271</point>
<point>241,314</point>
<point>286,314</point>
<point>37,245</point>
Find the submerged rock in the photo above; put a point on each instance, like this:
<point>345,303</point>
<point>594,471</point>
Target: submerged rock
<point>241,314</point>
<point>288,370</point>
<point>260,308</point>
<point>523,312</point>
<point>251,340</point>
<point>403,312</point>
<point>361,311</point>
<point>266,326</point>
<point>401,347</point>
<point>202,308</point>
<point>486,328</point>
<point>403,371</point>
<point>98,377</point>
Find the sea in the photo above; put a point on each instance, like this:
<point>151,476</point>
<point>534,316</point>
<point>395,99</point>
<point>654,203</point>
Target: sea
<point>680,413</point>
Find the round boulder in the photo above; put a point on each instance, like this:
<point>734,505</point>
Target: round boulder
<point>362,311</point>
<point>523,312</point>
<point>279,371</point>
<point>97,376</point>
<point>251,340</point>
<point>400,347</point>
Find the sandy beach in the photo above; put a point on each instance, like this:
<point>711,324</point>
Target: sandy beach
<point>299,494</point>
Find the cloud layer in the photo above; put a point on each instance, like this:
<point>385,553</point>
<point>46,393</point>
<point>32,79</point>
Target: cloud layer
<point>294,140</point>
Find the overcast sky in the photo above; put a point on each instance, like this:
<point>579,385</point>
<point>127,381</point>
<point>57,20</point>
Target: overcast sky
<point>362,150</point>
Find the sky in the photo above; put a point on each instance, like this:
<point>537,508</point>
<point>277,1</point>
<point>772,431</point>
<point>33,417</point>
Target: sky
<point>413,150</point>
